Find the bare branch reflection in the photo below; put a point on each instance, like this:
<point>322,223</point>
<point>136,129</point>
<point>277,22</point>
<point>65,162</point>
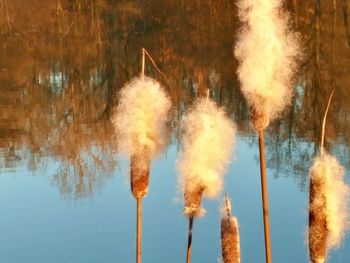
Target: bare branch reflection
<point>63,62</point>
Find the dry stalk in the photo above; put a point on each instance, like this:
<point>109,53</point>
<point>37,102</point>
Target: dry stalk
<point>189,241</point>
<point>145,52</point>
<point>192,210</point>
<point>264,197</point>
<point>324,122</point>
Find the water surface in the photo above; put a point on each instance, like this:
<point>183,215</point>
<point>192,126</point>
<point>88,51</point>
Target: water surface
<point>64,194</point>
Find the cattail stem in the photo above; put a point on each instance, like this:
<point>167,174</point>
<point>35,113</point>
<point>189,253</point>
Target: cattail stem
<point>227,202</point>
<point>324,122</point>
<point>138,229</point>
<point>189,243</point>
<point>144,53</point>
<point>143,63</point>
<point>264,193</point>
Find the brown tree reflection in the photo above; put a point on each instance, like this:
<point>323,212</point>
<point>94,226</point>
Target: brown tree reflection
<point>295,140</point>
<point>63,62</point>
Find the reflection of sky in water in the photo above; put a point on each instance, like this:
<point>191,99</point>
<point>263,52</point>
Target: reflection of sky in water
<point>58,81</point>
<point>299,92</point>
<point>38,225</point>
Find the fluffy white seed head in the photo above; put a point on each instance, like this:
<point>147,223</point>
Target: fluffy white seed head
<point>208,141</point>
<point>330,175</point>
<point>266,50</point>
<point>141,116</point>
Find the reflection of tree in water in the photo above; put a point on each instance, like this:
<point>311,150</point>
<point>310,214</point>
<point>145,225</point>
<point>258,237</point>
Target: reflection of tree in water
<point>51,78</point>
<point>295,139</point>
<point>63,62</point>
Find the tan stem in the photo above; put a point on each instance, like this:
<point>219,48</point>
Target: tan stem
<point>264,193</point>
<point>145,52</point>
<point>324,123</point>
<point>138,229</point>
<point>228,210</point>
<point>189,243</point>
<point>143,64</point>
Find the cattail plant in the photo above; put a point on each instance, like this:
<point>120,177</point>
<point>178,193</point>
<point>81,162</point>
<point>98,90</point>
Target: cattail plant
<point>140,122</point>
<point>266,50</point>
<point>208,140</point>
<point>328,203</point>
<point>230,243</point>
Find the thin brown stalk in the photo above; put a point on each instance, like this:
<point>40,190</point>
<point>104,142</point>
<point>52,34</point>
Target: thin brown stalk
<point>138,229</point>
<point>189,242</point>
<point>324,122</point>
<point>192,209</point>
<point>227,202</point>
<point>264,193</point>
<point>145,52</point>
<point>143,64</point>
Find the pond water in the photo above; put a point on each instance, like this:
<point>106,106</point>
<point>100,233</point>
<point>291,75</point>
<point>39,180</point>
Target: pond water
<point>64,191</point>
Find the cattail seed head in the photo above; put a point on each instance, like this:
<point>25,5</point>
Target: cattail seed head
<point>141,116</point>
<point>208,142</point>
<point>317,220</point>
<point>139,174</point>
<point>328,207</point>
<point>193,203</point>
<point>140,122</point>
<point>266,50</point>
<point>259,119</point>
<point>230,241</point>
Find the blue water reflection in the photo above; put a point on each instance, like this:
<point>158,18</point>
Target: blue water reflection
<point>37,224</point>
